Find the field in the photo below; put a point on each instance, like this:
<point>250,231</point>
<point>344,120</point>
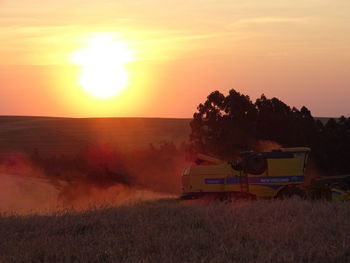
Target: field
<point>141,220</point>
<point>172,231</point>
<point>52,136</point>
<point>129,148</point>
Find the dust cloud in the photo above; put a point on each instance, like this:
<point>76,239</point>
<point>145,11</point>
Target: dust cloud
<point>266,146</point>
<point>100,179</point>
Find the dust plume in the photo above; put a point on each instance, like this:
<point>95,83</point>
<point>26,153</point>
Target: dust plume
<point>23,188</point>
<point>266,146</point>
<point>98,176</point>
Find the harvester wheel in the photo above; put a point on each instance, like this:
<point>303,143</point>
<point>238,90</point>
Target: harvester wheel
<point>256,165</point>
<point>291,191</point>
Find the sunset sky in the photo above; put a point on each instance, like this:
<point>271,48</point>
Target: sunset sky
<point>166,56</point>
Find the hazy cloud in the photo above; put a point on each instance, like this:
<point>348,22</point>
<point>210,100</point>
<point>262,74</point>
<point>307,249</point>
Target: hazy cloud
<point>271,20</point>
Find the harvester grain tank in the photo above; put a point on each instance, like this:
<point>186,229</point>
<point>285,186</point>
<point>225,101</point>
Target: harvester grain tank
<point>278,173</point>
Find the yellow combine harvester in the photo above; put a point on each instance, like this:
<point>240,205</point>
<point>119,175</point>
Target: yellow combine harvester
<point>279,173</point>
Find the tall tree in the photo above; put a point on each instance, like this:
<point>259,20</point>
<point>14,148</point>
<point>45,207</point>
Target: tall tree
<point>224,125</point>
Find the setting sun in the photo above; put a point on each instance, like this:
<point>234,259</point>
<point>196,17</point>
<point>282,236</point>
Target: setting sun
<point>103,63</point>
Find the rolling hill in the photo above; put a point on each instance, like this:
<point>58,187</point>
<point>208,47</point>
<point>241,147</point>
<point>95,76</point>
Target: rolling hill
<point>50,135</point>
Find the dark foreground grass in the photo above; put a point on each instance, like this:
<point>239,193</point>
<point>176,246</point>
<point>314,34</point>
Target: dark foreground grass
<point>174,231</point>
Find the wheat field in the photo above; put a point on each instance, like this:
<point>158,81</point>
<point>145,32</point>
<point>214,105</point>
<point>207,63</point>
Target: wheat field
<point>169,230</point>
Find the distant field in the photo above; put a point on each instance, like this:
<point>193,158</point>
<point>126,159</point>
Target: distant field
<point>69,135</point>
<point>52,135</point>
<point>172,231</point>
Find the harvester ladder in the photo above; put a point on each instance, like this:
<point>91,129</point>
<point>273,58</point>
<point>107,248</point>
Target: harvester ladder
<point>244,182</point>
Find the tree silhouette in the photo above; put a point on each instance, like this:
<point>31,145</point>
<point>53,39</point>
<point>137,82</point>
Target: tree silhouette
<point>224,125</point>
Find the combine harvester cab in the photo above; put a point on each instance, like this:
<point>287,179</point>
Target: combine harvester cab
<point>279,173</point>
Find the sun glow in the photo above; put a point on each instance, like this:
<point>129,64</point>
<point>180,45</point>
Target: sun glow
<point>104,61</point>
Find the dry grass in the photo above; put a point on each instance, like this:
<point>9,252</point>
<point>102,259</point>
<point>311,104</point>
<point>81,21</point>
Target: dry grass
<point>173,231</point>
